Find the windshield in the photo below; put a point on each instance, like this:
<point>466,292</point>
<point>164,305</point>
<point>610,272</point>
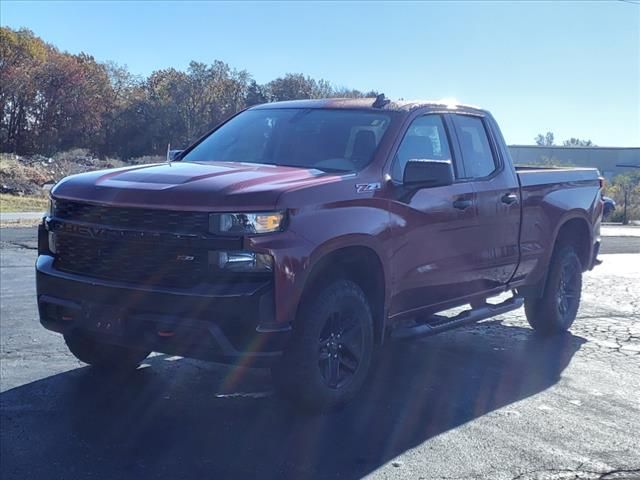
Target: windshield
<point>326,139</point>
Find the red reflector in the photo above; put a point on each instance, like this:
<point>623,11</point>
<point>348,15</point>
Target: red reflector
<point>67,317</point>
<point>166,334</point>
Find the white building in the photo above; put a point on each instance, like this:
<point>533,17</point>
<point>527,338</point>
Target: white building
<point>609,160</point>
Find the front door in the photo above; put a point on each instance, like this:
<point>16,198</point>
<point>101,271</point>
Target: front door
<point>434,244</point>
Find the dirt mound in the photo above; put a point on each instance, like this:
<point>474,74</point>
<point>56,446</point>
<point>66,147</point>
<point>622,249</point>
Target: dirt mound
<point>33,175</point>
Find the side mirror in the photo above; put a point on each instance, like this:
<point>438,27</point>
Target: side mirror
<point>173,155</point>
<point>425,173</point>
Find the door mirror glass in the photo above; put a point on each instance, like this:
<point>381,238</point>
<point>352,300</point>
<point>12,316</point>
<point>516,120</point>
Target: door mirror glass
<point>425,173</point>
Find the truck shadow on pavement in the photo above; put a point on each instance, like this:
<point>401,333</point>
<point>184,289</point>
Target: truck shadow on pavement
<point>169,420</point>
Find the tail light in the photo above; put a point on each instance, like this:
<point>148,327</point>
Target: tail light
<point>602,182</point>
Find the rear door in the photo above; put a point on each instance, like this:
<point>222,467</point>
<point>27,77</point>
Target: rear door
<point>496,233</point>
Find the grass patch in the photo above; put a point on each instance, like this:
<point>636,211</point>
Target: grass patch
<point>16,203</point>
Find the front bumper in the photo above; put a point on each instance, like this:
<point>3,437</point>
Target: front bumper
<point>229,323</point>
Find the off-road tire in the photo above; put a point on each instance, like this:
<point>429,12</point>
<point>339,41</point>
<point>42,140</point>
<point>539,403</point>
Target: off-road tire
<point>305,375</point>
<point>555,311</point>
<point>103,356</point>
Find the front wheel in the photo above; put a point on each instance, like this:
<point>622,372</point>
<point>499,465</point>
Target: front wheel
<point>330,352</point>
<point>556,310</point>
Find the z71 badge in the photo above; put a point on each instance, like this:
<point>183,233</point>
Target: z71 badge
<point>367,187</point>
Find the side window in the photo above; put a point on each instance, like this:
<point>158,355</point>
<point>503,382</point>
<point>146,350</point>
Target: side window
<point>426,138</point>
<point>477,157</point>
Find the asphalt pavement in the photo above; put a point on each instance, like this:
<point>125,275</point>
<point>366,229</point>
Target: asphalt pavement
<point>6,217</point>
<point>490,401</point>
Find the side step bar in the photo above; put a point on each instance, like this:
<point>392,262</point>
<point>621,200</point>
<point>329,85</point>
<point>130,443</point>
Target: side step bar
<point>439,323</point>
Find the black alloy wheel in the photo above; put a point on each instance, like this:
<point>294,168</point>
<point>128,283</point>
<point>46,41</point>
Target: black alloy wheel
<point>340,349</point>
<point>329,355</point>
<point>556,309</point>
<point>568,293</point>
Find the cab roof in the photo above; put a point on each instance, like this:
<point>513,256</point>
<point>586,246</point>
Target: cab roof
<point>367,104</point>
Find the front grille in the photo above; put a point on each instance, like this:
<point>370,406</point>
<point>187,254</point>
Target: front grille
<point>135,245</point>
<point>140,219</point>
<point>136,262</point>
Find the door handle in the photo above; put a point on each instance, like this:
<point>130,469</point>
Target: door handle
<point>462,203</point>
<point>509,198</point>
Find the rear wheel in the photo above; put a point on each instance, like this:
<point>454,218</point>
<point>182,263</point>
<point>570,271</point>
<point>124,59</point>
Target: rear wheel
<point>101,355</point>
<point>330,352</point>
<point>556,310</point>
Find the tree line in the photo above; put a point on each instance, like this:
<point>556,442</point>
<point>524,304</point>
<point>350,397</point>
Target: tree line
<point>548,140</point>
<point>52,101</point>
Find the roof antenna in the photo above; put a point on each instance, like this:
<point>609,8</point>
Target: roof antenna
<point>381,101</point>
<point>169,159</point>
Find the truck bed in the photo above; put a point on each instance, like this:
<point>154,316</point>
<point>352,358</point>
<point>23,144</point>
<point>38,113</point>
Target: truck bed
<point>550,196</point>
<point>538,175</point>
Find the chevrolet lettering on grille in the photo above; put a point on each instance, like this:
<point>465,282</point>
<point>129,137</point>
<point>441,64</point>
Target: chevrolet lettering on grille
<point>95,231</point>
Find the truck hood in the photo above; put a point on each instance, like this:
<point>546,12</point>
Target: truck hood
<point>215,186</point>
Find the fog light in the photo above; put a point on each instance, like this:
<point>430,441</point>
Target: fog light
<point>241,261</point>
<point>52,243</point>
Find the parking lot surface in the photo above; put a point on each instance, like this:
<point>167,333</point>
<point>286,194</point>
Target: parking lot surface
<point>490,401</point>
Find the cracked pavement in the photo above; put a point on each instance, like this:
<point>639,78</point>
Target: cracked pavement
<point>489,401</point>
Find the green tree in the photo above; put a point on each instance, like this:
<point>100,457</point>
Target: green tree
<point>625,190</point>
<point>322,89</point>
<point>184,105</point>
<point>122,100</point>
<point>576,142</point>
<point>293,86</point>
<point>255,94</point>
<point>344,92</point>
<point>545,140</point>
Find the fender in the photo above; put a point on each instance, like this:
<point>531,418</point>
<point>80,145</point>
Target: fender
<point>374,248</point>
<point>345,241</point>
<point>537,287</point>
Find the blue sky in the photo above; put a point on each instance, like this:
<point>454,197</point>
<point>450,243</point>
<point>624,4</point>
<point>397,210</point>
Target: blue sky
<point>569,67</point>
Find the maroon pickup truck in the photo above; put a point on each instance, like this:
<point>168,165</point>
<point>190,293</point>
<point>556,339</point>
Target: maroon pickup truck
<point>302,235</point>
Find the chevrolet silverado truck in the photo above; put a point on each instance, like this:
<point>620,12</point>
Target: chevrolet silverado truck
<point>302,235</point>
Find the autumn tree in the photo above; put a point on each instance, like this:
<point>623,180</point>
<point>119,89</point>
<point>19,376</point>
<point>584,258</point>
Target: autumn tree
<point>52,100</point>
<point>22,56</point>
<point>72,103</point>
<point>49,100</point>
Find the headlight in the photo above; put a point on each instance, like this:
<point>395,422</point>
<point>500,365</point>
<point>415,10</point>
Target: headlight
<point>246,223</point>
